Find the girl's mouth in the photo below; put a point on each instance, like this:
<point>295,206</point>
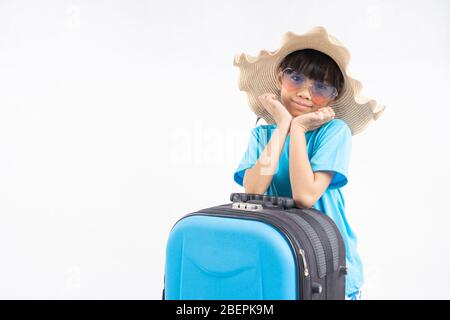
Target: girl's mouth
<point>301,106</point>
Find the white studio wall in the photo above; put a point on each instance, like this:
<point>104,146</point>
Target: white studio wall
<point>119,117</point>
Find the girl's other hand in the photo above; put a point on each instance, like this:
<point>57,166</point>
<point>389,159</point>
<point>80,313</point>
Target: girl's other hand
<point>278,111</point>
<point>313,120</point>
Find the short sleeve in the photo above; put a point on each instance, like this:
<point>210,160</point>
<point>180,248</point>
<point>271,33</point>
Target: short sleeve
<point>257,141</point>
<point>332,150</point>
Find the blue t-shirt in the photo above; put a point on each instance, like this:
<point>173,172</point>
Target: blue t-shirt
<point>329,149</point>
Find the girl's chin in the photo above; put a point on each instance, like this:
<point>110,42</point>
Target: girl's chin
<point>296,113</point>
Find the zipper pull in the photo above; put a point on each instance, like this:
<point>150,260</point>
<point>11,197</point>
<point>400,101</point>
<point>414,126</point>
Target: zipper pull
<point>305,266</point>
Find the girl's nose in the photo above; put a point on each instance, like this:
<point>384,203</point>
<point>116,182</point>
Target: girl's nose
<point>304,93</point>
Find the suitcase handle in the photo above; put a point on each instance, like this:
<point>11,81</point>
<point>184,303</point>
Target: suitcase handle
<point>269,201</point>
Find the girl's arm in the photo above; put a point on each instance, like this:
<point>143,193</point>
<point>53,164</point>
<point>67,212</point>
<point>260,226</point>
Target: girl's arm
<point>258,178</point>
<point>307,186</point>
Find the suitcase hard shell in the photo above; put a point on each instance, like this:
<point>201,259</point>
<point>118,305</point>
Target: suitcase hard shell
<point>255,248</point>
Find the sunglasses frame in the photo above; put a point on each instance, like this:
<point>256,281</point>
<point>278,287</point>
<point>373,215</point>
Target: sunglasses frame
<point>334,94</point>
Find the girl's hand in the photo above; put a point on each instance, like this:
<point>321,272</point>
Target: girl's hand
<point>278,111</point>
<point>313,120</point>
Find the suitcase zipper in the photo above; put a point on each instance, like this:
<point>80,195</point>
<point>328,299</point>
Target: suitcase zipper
<point>302,267</point>
<point>305,266</point>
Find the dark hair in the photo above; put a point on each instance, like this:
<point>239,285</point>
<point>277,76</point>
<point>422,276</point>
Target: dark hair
<point>315,65</point>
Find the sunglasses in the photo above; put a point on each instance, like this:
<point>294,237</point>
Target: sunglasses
<point>321,92</point>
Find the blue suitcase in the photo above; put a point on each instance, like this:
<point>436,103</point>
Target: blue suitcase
<point>257,247</point>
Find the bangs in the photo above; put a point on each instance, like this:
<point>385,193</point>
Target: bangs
<point>315,65</point>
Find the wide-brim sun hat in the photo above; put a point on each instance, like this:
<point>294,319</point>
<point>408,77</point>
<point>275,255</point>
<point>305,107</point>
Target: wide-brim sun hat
<point>258,76</point>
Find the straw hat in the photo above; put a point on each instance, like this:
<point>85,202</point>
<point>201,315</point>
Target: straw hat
<point>258,76</point>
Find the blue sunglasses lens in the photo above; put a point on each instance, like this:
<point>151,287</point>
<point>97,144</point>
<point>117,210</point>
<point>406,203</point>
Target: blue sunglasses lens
<point>296,78</point>
<point>319,89</point>
<point>323,90</point>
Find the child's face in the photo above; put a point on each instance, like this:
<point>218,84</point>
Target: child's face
<point>291,97</point>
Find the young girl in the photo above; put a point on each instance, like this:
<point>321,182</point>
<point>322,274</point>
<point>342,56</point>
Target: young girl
<point>313,107</point>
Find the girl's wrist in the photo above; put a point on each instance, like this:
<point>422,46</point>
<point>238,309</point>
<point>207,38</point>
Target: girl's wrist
<point>284,127</point>
<point>298,127</point>
<point>285,124</point>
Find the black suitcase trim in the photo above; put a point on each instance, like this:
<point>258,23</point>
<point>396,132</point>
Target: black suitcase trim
<point>319,251</point>
<point>331,234</point>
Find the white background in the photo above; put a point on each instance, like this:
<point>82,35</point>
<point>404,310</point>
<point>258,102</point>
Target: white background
<point>119,117</point>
